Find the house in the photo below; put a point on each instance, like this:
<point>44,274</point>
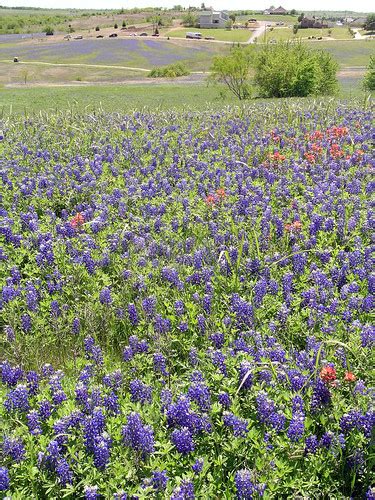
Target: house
<point>311,22</point>
<point>279,11</point>
<point>213,19</point>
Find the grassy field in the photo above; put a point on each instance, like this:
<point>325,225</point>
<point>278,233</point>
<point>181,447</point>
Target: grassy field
<point>122,98</point>
<point>348,52</point>
<point>116,52</point>
<point>287,33</point>
<point>238,35</point>
<point>110,98</point>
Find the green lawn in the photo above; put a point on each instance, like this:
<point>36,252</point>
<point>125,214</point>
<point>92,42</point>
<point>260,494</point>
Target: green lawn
<point>287,33</point>
<point>348,52</point>
<point>237,35</point>
<point>121,98</point>
<point>124,98</point>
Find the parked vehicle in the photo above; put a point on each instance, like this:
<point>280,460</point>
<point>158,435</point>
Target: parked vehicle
<point>78,37</point>
<point>113,35</point>
<point>100,36</point>
<point>194,35</point>
<point>155,34</point>
<point>15,59</point>
<point>67,37</point>
<point>143,34</point>
<point>209,38</point>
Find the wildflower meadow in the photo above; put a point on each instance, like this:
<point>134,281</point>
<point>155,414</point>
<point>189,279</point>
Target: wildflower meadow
<point>187,303</point>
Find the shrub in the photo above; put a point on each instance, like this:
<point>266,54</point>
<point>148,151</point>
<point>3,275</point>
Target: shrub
<point>233,71</point>
<point>115,26</point>
<point>48,30</point>
<point>97,28</point>
<point>293,70</point>
<point>369,80</point>
<point>170,71</point>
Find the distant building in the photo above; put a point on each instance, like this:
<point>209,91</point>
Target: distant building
<point>358,23</point>
<point>311,22</point>
<point>279,11</point>
<point>213,19</point>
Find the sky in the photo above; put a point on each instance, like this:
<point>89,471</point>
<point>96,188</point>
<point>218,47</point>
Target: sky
<point>300,5</point>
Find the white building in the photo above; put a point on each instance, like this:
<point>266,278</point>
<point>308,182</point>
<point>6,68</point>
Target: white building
<point>213,19</point>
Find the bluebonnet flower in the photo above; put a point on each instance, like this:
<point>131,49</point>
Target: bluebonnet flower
<point>321,396</point>
<point>245,377</point>
<point>311,444</point>
<point>64,472</point>
<point>133,314</point>
<point>17,399</point>
<point>149,305</point>
<point>4,479</point>
<point>159,480</point>
<point>26,322</point>
<point>160,364</point>
<point>224,399</point>
<point>105,296</point>
<point>91,493</point>
<point>33,423</point>
<point>10,375</point>
<point>32,382</point>
<point>198,465</point>
<point>200,393</point>
<point>111,403</point>
<point>140,392</point>
<point>93,427</point>
<point>183,492</point>
<point>238,425</point>
<point>246,487</point>
<point>183,440</point>
<point>138,436</point>
<point>13,448</point>
<point>76,326</point>
<point>267,412</point>
<point>101,450</point>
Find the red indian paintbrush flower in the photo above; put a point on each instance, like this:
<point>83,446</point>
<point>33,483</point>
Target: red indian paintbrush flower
<point>328,374</point>
<point>210,200</point>
<point>77,221</point>
<point>350,377</point>
<point>221,193</point>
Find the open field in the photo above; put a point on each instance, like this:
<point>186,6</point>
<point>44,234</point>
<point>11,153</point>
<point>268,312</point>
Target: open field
<point>347,53</point>
<point>286,33</point>
<point>143,53</point>
<point>186,300</point>
<point>235,35</point>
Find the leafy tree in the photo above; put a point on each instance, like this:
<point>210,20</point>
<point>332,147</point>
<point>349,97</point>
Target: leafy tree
<point>124,23</point>
<point>233,71</point>
<point>300,17</point>
<point>189,19</point>
<point>97,28</point>
<point>293,12</point>
<point>233,17</point>
<point>293,70</point>
<point>370,23</point>
<point>369,80</point>
<point>115,26</point>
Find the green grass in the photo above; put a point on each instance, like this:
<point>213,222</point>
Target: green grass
<point>348,52</point>
<point>110,98</point>
<point>237,35</point>
<point>121,98</point>
<point>287,33</point>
